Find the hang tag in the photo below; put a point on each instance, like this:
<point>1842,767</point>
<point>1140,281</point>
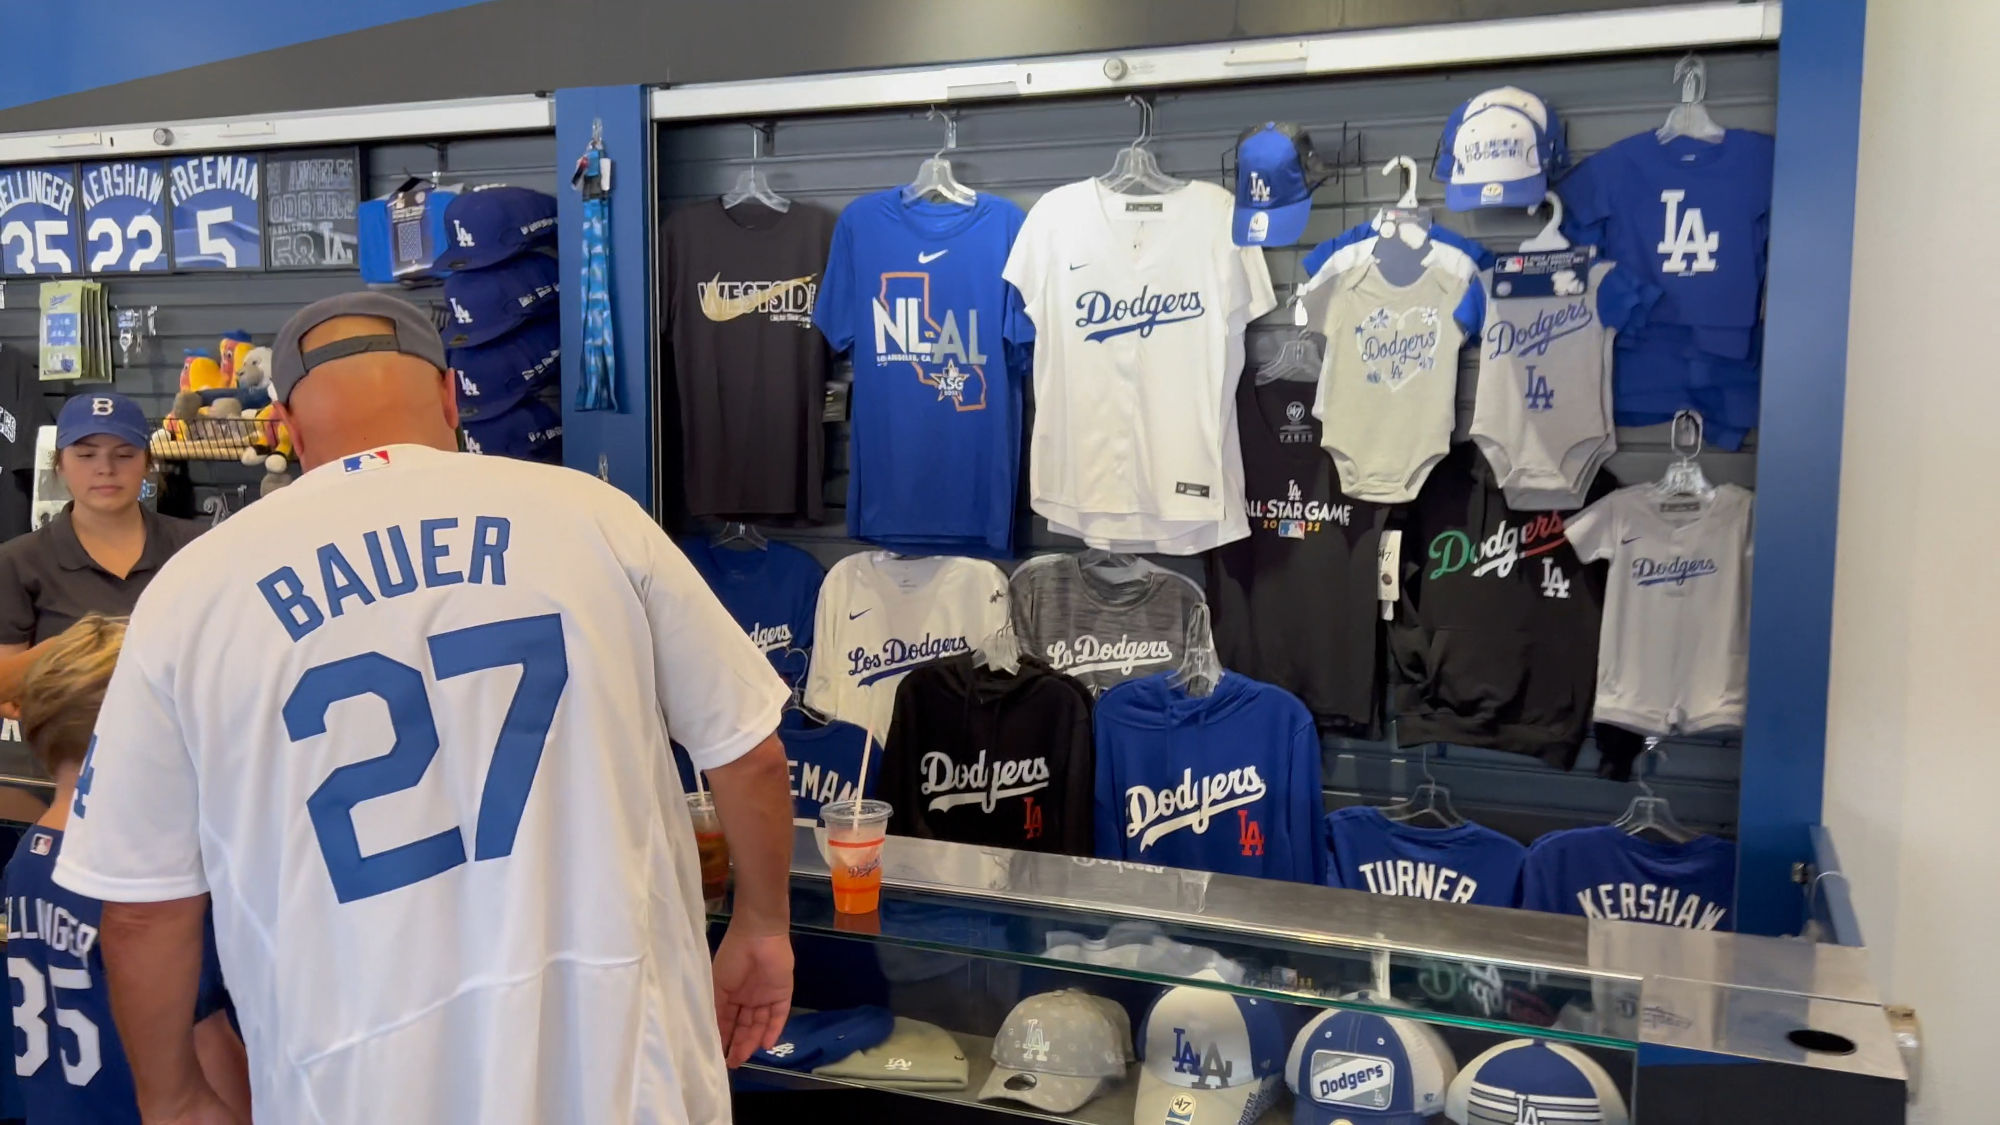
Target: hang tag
<point>1389,569</point>
<point>604,174</point>
<point>1145,208</point>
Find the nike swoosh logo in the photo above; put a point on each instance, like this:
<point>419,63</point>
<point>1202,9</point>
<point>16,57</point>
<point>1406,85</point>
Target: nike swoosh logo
<point>1634,539</point>
<point>719,308</point>
<point>927,259</point>
<point>853,616</point>
<point>1073,269</point>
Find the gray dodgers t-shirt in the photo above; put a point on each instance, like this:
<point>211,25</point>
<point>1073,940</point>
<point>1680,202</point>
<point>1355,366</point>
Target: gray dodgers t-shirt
<point>1102,626</point>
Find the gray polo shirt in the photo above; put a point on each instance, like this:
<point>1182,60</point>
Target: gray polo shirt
<point>48,581</point>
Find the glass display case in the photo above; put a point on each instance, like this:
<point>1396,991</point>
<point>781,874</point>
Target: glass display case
<point>994,982</point>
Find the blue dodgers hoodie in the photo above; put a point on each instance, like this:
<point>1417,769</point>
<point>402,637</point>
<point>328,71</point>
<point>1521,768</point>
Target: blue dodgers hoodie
<point>1228,782</point>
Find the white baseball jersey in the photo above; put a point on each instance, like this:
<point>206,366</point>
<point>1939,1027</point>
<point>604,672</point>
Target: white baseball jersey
<point>880,616</point>
<point>1139,304</point>
<point>1673,657</point>
<point>407,722</point>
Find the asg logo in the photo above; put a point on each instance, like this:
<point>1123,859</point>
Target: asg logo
<point>1686,233</point>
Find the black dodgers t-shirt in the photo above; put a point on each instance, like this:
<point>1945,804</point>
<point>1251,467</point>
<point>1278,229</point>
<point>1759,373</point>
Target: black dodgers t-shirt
<point>749,365</point>
<point>1295,604</point>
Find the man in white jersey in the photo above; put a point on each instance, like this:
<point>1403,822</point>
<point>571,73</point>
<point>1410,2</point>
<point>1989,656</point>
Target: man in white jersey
<point>407,722</point>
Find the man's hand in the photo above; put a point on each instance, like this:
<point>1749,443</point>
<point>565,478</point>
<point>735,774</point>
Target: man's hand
<point>753,991</point>
<point>202,1108</point>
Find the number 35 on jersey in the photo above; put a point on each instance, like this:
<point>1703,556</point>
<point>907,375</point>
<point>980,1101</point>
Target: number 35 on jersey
<point>38,221</point>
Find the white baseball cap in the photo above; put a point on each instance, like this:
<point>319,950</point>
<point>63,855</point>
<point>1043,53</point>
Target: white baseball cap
<point>1058,1050</point>
<point>1532,1080</point>
<point>1367,1069</point>
<point>1499,149</point>
<point>1211,1058</point>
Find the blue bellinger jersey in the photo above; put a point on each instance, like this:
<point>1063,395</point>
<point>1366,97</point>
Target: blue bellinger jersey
<point>914,292</point>
<point>70,1064</point>
<point>1468,863</point>
<point>1602,872</point>
<point>770,592</point>
<point>1227,783</point>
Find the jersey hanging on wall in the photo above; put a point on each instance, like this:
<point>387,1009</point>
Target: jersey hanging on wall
<point>1464,863</point>
<point>125,217</point>
<point>38,221</point>
<point>217,211</point>
<point>914,291</point>
<point>1603,872</point>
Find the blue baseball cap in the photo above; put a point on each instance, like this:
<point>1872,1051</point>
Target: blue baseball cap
<point>532,431</point>
<point>1500,149</point>
<point>813,1039</point>
<point>102,412</point>
<point>484,305</point>
<point>1530,1080</point>
<point>486,225</point>
<point>1368,1069</point>
<point>1210,1058</point>
<point>1275,170</point>
<point>495,376</point>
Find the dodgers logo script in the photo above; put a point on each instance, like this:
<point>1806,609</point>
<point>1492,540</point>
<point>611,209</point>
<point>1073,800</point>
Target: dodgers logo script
<point>1089,654</point>
<point>1142,312</point>
<point>770,638</point>
<point>1396,347</point>
<point>942,346</point>
<point>1361,1081</point>
<point>1154,813</point>
<point>1534,337</point>
<point>980,783</point>
<point>1453,551</point>
<point>898,656</point>
<point>1676,571</point>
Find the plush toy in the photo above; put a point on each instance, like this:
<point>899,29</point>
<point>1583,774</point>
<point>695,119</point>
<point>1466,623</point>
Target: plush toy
<point>231,351</point>
<point>253,379</point>
<point>200,371</point>
<point>274,476</point>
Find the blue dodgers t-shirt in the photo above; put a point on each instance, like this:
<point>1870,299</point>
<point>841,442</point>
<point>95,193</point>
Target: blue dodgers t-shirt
<point>914,292</point>
<point>1321,254</point>
<point>1603,872</point>
<point>825,761</point>
<point>1229,782</point>
<point>1692,218</point>
<point>1470,863</point>
<point>771,592</point>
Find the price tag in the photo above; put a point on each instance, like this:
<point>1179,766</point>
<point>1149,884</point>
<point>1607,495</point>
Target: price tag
<point>38,222</point>
<point>217,211</point>
<point>125,217</point>
<point>1389,571</point>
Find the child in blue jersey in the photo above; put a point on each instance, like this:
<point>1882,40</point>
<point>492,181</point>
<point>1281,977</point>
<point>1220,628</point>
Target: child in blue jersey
<point>66,1048</point>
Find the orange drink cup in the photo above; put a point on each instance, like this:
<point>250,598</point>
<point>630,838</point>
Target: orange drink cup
<point>854,835</point>
<point>710,845</point>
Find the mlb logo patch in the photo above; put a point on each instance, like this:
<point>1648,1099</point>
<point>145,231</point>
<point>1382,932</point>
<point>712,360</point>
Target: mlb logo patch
<point>42,844</point>
<point>379,459</point>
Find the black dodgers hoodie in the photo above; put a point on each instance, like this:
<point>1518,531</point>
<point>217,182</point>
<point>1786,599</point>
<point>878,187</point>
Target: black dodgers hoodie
<point>978,756</point>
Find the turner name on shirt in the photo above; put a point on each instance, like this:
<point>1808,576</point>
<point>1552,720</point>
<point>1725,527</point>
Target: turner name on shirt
<point>1089,654</point>
<point>1650,902</point>
<point>1154,813</point>
<point>949,784</point>
<point>897,656</point>
<point>1415,879</point>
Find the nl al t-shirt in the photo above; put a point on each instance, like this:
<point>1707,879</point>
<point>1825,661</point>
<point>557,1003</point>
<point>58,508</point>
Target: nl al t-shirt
<point>881,616</point>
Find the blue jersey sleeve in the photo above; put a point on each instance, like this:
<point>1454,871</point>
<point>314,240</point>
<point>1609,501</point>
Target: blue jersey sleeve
<point>1623,299</point>
<point>1540,879</point>
<point>1308,829</point>
<point>1586,205</point>
<point>1471,310</point>
<point>833,312</point>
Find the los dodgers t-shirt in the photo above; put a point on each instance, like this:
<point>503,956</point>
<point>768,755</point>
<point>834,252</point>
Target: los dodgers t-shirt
<point>1102,626</point>
<point>1604,872</point>
<point>914,292</point>
<point>771,592</point>
<point>1467,863</point>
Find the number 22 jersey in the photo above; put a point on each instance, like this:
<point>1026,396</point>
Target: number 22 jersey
<point>417,751</point>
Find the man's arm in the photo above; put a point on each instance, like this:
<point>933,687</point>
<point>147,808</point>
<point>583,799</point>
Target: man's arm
<point>753,965</point>
<point>152,962</point>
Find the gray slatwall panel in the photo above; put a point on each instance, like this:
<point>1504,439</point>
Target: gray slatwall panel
<point>1021,149</point>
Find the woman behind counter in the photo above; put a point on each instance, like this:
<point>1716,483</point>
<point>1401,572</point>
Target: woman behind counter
<point>99,553</point>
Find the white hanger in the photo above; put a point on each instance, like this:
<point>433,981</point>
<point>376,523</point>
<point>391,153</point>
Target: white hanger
<point>1298,359</point>
<point>1201,669</point>
<point>1690,118</point>
<point>1550,237</point>
<point>1001,651</point>
<point>1684,476</point>
<point>1408,167</point>
<point>751,184</point>
<point>1134,171</point>
<point>1428,799</point>
<point>934,176</point>
<point>736,531</point>
<point>1648,812</point>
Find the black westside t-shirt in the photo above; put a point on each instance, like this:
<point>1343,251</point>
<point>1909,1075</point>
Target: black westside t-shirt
<point>1295,604</point>
<point>22,411</point>
<point>980,756</point>
<point>750,367</point>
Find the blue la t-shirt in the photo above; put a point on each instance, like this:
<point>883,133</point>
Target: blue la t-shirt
<point>1229,782</point>
<point>1604,872</point>
<point>825,763</point>
<point>1692,218</point>
<point>1470,863</point>
<point>914,292</point>
<point>771,592</point>
<point>66,1048</point>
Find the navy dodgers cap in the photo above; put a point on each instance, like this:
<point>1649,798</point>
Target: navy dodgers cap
<point>813,1039</point>
<point>486,225</point>
<point>412,334</point>
<point>532,431</point>
<point>485,305</point>
<point>103,412</point>
<point>493,377</point>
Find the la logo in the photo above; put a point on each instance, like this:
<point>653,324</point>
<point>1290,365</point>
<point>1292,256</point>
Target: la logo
<point>1260,189</point>
<point>1035,1044</point>
<point>1686,234</point>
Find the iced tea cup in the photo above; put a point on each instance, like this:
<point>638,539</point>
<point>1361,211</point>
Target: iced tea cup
<point>854,834</point>
<point>710,845</point>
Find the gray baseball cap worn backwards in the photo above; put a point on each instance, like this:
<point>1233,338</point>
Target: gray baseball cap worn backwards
<point>414,335</point>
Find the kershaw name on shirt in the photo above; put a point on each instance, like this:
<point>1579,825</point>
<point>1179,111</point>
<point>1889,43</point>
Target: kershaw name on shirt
<point>1414,879</point>
<point>35,919</point>
<point>1154,813</point>
<point>1089,654</point>
<point>392,562</point>
<point>1142,312</point>
<point>951,784</point>
<point>140,181</point>
<point>1533,338</point>
<point>814,782</point>
<point>1648,902</point>
<point>897,656</point>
